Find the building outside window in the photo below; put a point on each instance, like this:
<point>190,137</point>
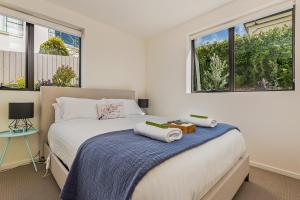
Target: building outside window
<point>11,26</point>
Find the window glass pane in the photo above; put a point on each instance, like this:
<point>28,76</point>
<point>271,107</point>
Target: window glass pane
<point>2,29</point>
<point>12,54</point>
<point>56,58</point>
<point>264,53</point>
<point>14,26</point>
<point>211,71</point>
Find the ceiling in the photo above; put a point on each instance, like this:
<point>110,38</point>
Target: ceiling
<point>143,18</point>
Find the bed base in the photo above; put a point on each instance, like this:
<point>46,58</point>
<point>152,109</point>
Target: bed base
<point>225,189</point>
<point>57,168</point>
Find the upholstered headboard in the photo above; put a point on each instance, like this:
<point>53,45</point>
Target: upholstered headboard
<point>49,95</point>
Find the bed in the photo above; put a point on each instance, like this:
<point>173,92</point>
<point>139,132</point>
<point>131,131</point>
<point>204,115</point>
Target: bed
<point>216,174</point>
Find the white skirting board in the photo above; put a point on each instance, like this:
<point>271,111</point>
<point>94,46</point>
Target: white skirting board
<point>275,170</point>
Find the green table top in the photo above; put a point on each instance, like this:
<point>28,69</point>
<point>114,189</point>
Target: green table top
<point>9,134</point>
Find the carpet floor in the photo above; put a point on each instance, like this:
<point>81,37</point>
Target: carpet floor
<point>23,183</point>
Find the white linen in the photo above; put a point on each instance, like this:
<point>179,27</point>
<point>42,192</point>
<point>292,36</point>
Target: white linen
<point>209,122</point>
<point>162,134</point>
<point>187,176</point>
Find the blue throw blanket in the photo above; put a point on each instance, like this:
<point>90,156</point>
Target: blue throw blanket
<point>109,166</point>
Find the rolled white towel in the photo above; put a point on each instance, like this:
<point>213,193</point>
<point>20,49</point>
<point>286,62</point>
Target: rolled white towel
<point>162,134</point>
<point>204,122</point>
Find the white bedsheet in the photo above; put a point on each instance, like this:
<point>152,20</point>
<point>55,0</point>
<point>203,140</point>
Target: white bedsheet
<point>188,175</point>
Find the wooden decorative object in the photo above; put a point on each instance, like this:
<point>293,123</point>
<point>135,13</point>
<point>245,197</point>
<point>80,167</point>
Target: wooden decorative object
<point>185,127</point>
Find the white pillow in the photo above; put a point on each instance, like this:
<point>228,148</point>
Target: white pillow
<point>78,108</point>
<point>63,99</point>
<point>110,110</point>
<point>57,111</point>
<point>130,106</point>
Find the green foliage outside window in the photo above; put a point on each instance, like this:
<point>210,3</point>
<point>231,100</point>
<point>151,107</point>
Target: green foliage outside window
<point>263,61</point>
<point>63,76</point>
<point>19,84</point>
<point>205,55</point>
<point>54,46</point>
<point>216,78</point>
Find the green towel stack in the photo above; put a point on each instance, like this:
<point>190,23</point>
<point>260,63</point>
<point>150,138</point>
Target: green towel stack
<point>199,116</point>
<point>156,125</point>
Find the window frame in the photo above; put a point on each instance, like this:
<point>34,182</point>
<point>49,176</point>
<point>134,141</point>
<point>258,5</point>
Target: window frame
<point>231,54</point>
<point>29,61</point>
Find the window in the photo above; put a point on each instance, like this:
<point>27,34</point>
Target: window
<point>12,56</point>
<point>212,59</point>
<point>32,56</point>
<point>253,56</point>
<point>11,26</point>
<point>55,56</point>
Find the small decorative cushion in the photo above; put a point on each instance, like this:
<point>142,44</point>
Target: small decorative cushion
<point>130,106</point>
<point>110,110</point>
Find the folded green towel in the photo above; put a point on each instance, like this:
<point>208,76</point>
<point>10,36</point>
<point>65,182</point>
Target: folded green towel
<point>156,125</point>
<point>199,116</point>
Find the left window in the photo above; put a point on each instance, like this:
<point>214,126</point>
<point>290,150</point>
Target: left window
<point>12,53</point>
<point>32,56</point>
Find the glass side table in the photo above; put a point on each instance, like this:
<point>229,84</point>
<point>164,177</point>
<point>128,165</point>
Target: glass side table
<point>10,135</point>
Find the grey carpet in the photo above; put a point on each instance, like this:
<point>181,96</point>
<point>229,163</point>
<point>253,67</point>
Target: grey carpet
<point>23,183</point>
<point>265,185</point>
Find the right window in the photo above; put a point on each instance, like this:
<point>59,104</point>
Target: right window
<point>264,53</point>
<point>261,56</point>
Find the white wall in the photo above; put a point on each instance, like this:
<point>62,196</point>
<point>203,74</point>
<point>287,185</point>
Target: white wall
<point>268,120</point>
<point>111,59</point>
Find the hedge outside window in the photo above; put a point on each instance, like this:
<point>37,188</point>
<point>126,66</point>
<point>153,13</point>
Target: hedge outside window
<point>39,59</point>
<point>255,56</point>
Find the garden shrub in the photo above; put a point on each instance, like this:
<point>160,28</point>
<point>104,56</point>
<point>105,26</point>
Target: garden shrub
<point>54,46</point>
<point>63,76</point>
<point>40,83</point>
<point>19,84</point>
<point>216,78</point>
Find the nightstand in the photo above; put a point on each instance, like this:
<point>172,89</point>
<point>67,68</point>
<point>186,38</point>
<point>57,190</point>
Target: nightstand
<point>10,135</point>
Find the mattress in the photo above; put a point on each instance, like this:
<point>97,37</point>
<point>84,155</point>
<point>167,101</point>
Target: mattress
<point>188,175</point>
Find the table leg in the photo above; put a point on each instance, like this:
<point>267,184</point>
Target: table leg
<point>4,150</point>
<point>29,152</point>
